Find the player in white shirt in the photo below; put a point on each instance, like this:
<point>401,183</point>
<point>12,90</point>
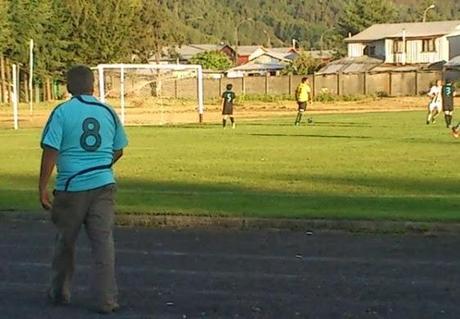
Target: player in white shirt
<point>435,105</point>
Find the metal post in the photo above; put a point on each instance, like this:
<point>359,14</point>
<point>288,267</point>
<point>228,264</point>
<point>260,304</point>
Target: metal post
<point>365,83</point>
<point>101,83</point>
<point>390,84</point>
<point>15,98</point>
<point>339,83</point>
<point>122,93</point>
<point>31,75</point>
<point>200,91</point>
<point>266,83</point>
<point>313,88</point>
<point>404,47</point>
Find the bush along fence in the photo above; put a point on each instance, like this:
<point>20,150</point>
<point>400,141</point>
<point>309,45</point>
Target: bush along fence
<point>409,83</point>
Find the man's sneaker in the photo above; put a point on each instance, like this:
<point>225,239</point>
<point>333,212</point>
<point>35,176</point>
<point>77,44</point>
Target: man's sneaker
<point>108,308</point>
<point>57,299</point>
<point>427,122</point>
<point>233,125</point>
<point>455,132</point>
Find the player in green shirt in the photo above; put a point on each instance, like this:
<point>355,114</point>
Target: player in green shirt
<point>228,97</point>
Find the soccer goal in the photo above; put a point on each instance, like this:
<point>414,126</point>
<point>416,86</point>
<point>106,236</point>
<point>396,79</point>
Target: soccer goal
<point>152,94</point>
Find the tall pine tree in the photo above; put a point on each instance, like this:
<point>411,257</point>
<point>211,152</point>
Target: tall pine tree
<point>361,14</point>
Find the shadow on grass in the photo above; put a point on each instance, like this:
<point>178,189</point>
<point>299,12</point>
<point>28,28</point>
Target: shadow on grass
<point>214,199</point>
<point>309,135</point>
<point>315,123</point>
<point>181,126</point>
<point>341,124</point>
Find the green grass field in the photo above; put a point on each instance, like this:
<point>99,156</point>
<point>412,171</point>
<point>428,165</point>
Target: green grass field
<point>354,166</point>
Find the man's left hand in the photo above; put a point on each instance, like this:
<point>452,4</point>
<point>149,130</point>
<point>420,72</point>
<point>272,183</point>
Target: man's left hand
<point>45,200</point>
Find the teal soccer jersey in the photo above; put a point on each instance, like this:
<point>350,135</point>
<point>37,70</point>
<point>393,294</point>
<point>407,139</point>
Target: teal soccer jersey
<point>86,133</point>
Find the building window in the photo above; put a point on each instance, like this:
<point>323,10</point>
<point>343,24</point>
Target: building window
<point>398,46</point>
<point>429,45</point>
<point>369,50</point>
<point>372,51</point>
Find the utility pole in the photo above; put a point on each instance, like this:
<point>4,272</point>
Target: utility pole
<point>236,36</point>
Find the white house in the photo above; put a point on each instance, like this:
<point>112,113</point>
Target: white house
<point>271,63</point>
<point>411,43</point>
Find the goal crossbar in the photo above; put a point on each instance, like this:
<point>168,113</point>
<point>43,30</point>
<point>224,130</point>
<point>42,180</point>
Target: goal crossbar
<point>123,67</point>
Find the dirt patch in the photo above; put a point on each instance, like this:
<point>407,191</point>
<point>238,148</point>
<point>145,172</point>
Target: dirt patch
<point>175,112</point>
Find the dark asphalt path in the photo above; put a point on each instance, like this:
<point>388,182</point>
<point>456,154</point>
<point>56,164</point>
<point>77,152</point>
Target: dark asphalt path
<point>251,274</point>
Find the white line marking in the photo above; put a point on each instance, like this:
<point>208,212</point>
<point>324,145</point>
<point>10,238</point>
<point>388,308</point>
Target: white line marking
<point>152,269</point>
<point>166,292</point>
<point>405,260</point>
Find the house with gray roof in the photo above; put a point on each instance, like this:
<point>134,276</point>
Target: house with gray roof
<point>183,53</point>
<point>407,43</point>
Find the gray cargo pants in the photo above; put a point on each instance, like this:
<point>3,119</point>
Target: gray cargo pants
<point>95,210</point>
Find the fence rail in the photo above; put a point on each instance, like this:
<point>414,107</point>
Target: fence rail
<point>409,83</point>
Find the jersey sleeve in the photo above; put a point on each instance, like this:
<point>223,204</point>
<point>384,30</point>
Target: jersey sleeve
<point>52,133</point>
<point>120,139</point>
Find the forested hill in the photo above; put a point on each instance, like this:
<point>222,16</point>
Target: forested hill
<point>306,20</point>
<point>105,31</point>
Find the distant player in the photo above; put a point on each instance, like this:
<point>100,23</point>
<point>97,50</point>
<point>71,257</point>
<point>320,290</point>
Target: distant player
<point>228,97</point>
<point>448,93</point>
<point>435,105</point>
<point>302,96</point>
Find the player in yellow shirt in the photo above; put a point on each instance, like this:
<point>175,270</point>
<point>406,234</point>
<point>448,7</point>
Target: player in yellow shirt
<point>303,96</point>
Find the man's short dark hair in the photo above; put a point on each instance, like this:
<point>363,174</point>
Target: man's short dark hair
<point>80,80</point>
<point>304,79</point>
<point>229,86</point>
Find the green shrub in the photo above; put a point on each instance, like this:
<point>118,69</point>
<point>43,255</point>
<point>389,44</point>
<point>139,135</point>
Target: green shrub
<point>382,94</point>
<point>326,97</point>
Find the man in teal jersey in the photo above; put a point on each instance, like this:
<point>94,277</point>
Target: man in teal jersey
<point>83,138</point>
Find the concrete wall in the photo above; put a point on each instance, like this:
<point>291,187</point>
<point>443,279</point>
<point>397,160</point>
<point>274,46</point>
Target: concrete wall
<point>378,83</point>
<point>425,80</point>
<point>385,83</point>
<point>352,84</point>
<point>403,84</point>
<point>326,83</point>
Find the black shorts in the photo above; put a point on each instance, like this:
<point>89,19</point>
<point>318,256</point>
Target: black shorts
<point>302,106</point>
<point>448,106</point>
<point>228,109</point>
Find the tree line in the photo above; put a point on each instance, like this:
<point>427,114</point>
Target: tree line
<point>103,31</point>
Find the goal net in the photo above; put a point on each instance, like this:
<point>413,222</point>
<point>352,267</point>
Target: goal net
<point>152,94</point>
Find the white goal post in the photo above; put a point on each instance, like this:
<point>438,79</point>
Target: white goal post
<point>124,68</point>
